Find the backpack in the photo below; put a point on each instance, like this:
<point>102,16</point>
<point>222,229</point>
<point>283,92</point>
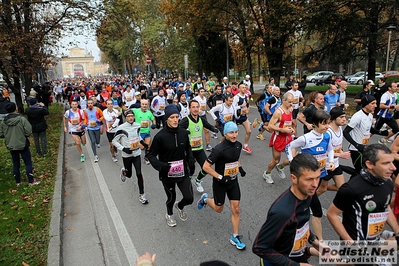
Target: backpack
<point>263,103</point>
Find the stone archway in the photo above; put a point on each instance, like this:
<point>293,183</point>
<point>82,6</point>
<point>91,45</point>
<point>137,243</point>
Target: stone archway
<point>78,70</point>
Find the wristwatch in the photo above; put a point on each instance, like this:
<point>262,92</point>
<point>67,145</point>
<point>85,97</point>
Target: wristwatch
<point>220,177</point>
<point>312,239</point>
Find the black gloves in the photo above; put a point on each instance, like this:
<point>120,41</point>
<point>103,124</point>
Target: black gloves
<point>153,126</point>
<point>191,161</point>
<point>242,172</point>
<point>144,144</point>
<point>127,150</point>
<point>384,132</point>
<point>165,169</point>
<point>360,147</point>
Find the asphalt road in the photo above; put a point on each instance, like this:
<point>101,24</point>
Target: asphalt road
<point>105,224</point>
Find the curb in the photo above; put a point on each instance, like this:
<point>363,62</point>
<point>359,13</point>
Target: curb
<point>54,255</point>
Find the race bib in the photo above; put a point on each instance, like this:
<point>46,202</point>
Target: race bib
<point>231,169</point>
<point>337,148</point>
<point>376,223</point>
<point>162,107</point>
<point>301,238</point>
<point>203,107</point>
<point>128,99</point>
<point>196,141</point>
<point>134,143</point>
<point>322,160</point>
<point>228,117</point>
<point>155,94</point>
<point>296,100</point>
<point>74,121</point>
<point>92,123</point>
<point>170,96</point>
<point>218,102</point>
<point>145,123</point>
<point>366,138</point>
<point>287,124</point>
<point>176,169</point>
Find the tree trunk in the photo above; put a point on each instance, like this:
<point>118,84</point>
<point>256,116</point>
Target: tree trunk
<point>249,67</point>
<point>274,54</point>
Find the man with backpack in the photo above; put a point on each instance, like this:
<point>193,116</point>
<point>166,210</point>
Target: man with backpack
<point>261,103</point>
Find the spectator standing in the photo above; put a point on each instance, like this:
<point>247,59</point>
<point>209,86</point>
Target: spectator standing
<point>16,129</point>
<point>36,113</point>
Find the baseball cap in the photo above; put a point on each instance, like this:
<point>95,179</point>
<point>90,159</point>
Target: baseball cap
<point>371,82</point>
<point>247,76</point>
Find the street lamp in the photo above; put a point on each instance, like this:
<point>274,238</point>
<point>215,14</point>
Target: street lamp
<point>389,28</point>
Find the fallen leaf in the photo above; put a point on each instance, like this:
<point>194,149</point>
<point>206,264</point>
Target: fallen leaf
<point>25,264</point>
<point>205,242</point>
<point>65,214</point>
<point>18,230</point>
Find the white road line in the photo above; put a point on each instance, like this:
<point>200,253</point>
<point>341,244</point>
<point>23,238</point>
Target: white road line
<point>128,246</point>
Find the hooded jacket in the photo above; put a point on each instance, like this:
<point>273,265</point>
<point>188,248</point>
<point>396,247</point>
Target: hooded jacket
<point>128,136</point>
<point>170,145</point>
<point>36,114</point>
<point>15,129</point>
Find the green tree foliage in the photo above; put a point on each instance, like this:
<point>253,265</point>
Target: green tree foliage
<point>347,30</point>
<point>29,34</point>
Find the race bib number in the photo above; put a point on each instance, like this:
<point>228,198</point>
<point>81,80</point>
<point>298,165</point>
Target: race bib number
<point>219,102</point>
<point>162,107</point>
<point>366,138</point>
<point>170,96</point>
<point>322,160</point>
<point>301,238</point>
<point>145,123</point>
<point>296,100</point>
<point>376,223</point>
<point>74,121</point>
<point>231,169</point>
<point>134,143</point>
<point>337,148</point>
<point>128,99</point>
<point>176,169</point>
<point>196,141</point>
<point>92,123</point>
<point>287,124</point>
<point>203,107</point>
<point>228,117</point>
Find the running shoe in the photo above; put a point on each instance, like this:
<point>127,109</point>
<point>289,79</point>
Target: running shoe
<point>268,177</point>
<point>98,145</point>
<point>116,153</point>
<point>255,123</point>
<point>182,214</point>
<point>383,141</point>
<point>214,135</point>
<point>170,220</point>
<point>143,199</point>
<point>247,149</point>
<point>34,183</point>
<point>260,136</point>
<point>280,171</point>
<point>96,158</point>
<point>82,158</point>
<point>236,241</point>
<point>198,185</point>
<point>123,174</point>
<point>209,147</point>
<point>201,202</point>
<point>114,159</point>
<point>18,184</point>
<point>146,161</point>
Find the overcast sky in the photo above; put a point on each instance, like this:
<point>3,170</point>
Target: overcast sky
<point>86,42</point>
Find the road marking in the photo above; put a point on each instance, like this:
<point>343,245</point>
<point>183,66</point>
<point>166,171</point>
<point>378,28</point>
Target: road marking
<point>124,237</point>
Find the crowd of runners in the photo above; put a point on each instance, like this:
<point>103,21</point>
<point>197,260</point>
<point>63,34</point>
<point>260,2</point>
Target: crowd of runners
<point>181,112</point>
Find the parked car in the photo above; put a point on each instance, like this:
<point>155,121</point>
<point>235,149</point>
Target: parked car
<point>327,79</point>
<point>391,73</point>
<point>355,74</point>
<point>317,75</point>
<point>378,75</point>
<point>358,78</point>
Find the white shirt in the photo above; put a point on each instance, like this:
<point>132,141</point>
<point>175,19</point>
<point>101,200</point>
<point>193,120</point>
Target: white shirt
<point>202,104</point>
<point>297,95</point>
<point>361,124</point>
<point>336,139</point>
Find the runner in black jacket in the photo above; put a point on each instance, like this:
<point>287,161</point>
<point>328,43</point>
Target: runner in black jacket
<point>171,155</point>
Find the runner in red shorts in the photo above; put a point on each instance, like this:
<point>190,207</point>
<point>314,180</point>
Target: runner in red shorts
<point>281,125</point>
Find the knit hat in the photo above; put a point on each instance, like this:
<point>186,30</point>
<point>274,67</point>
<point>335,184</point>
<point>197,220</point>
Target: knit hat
<point>179,94</point>
<point>10,107</point>
<point>336,112</point>
<point>229,127</point>
<point>32,101</point>
<point>367,99</point>
<point>170,110</point>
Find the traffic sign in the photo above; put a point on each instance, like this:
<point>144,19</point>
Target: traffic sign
<point>148,61</point>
